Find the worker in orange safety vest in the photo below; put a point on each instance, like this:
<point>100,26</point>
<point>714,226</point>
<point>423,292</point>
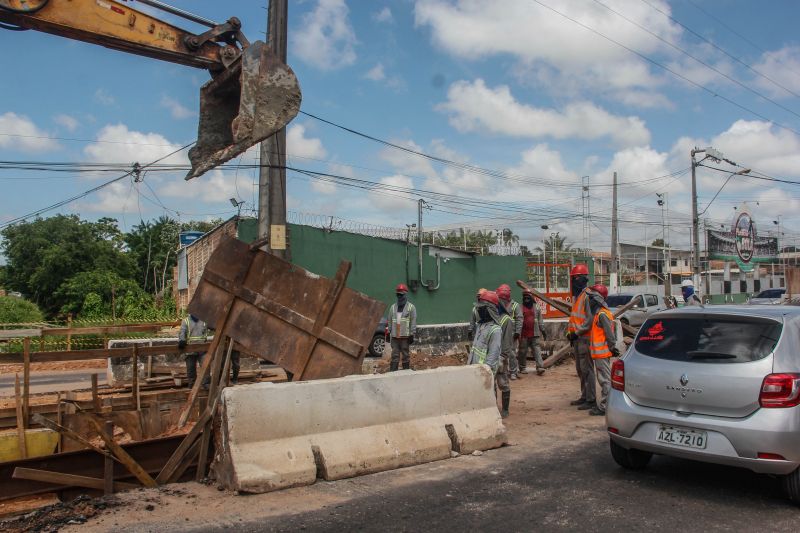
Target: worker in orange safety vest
<point>578,328</point>
<point>602,344</point>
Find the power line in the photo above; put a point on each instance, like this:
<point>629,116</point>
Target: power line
<point>668,69</point>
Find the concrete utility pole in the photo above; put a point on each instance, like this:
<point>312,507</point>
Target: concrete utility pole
<point>272,174</point>
<point>695,223</point>
<point>613,271</point>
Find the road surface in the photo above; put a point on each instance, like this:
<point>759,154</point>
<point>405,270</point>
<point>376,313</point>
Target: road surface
<point>53,381</point>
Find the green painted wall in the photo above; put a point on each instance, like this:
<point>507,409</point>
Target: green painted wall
<point>380,264</point>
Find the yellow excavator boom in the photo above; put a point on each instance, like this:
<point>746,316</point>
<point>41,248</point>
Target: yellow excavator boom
<point>252,94</point>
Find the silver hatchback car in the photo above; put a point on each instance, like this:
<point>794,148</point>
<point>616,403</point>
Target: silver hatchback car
<point>717,384</point>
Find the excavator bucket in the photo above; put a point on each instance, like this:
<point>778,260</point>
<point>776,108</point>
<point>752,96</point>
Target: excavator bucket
<point>243,105</point>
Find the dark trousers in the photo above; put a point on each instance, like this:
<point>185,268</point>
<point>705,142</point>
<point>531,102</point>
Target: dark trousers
<point>400,349</point>
<point>192,360</point>
<point>235,355</point>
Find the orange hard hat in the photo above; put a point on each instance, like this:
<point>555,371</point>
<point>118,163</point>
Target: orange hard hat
<point>490,296</point>
<point>579,270</point>
<point>600,289</point>
<point>401,288</point>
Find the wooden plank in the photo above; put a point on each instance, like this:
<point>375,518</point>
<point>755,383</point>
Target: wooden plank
<point>23,448</point>
<point>95,397</point>
<point>98,353</point>
<point>187,461</point>
<point>69,480</point>
<point>108,330</point>
<point>7,334</point>
<point>175,460</point>
<point>564,307</point>
<point>123,457</point>
<point>26,381</point>
<point>108,465</point>
<point>49,424</point>
<point>137,401</point>
<point>217,379</point>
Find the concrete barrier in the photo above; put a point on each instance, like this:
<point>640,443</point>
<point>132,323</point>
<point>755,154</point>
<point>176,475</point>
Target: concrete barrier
<point>275,436</point>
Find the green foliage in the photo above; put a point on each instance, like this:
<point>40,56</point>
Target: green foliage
<point>43,254</point>
<point>18,311</point>
<point>471,241</point>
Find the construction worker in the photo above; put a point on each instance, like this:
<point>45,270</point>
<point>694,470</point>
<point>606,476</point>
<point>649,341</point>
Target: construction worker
<point>487,347</point>
<point>515,312</point>
<point>532,330</point>
<point>578,328</point>
<point>473,319</point>
<point>402,328</point>
<point>193,331</point>
<point>689,296</point>
<point>602,344</point>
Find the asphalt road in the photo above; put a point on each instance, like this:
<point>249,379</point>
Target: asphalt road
<point>52,381</point>
<point>577,490</point>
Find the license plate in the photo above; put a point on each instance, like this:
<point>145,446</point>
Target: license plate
<point>687,438</point>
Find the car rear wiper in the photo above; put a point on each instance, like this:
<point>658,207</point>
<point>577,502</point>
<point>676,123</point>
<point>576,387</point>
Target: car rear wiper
<point>699,354</point>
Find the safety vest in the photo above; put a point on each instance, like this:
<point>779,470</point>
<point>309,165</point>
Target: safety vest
<point>503,319</point>
<point>194,339</point>
<point>403,327</point>
<point>578,315</point>
<point>481,345</point>
<point>598,344</point>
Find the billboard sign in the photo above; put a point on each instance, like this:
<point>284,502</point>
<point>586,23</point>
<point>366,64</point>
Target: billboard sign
<point>742,243</point>
<point>188,237</point>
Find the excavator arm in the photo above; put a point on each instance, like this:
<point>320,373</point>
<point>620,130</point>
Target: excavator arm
<point>252,94</point>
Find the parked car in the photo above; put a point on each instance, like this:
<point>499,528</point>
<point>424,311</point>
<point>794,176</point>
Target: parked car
<point>646,304</point>
<point>768,297</point>
<point>378,342</point>
<point>718,384</point>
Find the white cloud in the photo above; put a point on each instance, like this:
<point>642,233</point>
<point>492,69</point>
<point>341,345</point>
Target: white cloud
<point>118,144</point>
<point>761,146</point>
<point>472,29</point>
<point>214,186</point>
<point>408,163</point>
<point>67,122</point>
<point>103,97</point>
<point>325,39</point>
<point>390,201</point>
<point>176,109</point>
<point>782,67</point>
<point>298,145</point>
<point>541,161</point>
<point>473,106</point>
<point>20,133</point>
<point>384,15</point>
<point>376,73</point>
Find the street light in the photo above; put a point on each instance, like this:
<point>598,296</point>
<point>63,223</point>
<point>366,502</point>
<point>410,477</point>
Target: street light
<point>667,269</point>
<point>237,205</point>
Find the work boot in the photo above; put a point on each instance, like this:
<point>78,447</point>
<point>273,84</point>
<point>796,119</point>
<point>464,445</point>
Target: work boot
<point>506,403</point>
<point>579,401</point>
<point>513,376</point>
<point>523,370</point>
<point>596,411</point>
<point>539,371</point>
<point>586,406</point>
<point>406,365</point>
<point>393,366</point>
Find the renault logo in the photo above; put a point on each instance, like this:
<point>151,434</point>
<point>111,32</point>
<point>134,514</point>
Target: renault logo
<point>684,380</point>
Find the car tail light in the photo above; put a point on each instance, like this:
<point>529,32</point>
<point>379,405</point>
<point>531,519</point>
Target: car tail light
<point>615,431</point>
<point>618,375</point>
<point>773,456</point>
<point>780,390</point>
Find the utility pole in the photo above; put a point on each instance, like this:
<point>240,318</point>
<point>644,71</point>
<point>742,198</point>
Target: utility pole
<point>695,222</point>
<point>272,174</point>
<point>586,213</point>
<point>613,270</point>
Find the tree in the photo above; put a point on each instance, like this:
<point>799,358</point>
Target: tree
<point>43,254</point>
<point>18,311</point>
<point>658,243</point>
<point>555,248</point>
<point>508,237</point>
<point>476,241</point>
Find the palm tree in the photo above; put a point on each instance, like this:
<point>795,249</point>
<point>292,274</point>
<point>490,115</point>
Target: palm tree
<point>509,237</point>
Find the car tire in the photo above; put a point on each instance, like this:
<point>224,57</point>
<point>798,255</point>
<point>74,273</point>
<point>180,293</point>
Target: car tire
<point>625,321</point>
<point>377,345</point>
<point>630,459</point>
<point>791,485</point>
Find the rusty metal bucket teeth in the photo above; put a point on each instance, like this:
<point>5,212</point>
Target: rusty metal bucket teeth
<point>242,106</point>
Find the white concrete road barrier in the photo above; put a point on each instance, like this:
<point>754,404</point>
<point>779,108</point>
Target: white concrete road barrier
<point>279,435</point>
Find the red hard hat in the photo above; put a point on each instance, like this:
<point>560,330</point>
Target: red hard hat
<point>504,291</point>
<point>491,297</point>
<point>600,289</point>
<point>401,288</point>
<point>579,270</point>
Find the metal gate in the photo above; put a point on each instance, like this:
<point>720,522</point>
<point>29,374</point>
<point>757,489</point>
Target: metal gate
<point>552,279</point>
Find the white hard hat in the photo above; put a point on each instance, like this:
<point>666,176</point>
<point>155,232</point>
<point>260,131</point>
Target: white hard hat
<point>687,283</point>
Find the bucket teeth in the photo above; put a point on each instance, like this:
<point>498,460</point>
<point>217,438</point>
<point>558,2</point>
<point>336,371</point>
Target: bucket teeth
<point>242,106</point>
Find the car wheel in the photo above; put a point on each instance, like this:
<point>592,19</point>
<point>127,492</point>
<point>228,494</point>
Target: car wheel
<point>625,321</point>
<point>791,484</point>
<point>377,346</point>
<point>631,459</point>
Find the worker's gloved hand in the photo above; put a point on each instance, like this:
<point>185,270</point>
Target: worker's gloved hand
<point>614,352</point>
<point>181,344</point>
<point>516,336</point>
<point>572,336</point>
<point>411,339</point>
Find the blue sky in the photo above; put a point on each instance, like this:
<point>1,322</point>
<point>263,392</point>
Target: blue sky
<point>512,86</point>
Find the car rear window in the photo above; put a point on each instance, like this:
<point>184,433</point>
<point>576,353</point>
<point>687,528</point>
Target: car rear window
<point>708,339</point>
<point>618,300</point>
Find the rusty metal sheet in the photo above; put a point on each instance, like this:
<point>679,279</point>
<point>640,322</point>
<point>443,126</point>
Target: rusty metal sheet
<point>312,326</point>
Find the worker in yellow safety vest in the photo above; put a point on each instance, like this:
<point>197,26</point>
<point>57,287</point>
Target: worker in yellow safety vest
<point>580,322</point>
<point>515,312</point>
<point>473,319</point>
<point>487,346</point>
<point>602,344</point>
<point>402,328</point>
